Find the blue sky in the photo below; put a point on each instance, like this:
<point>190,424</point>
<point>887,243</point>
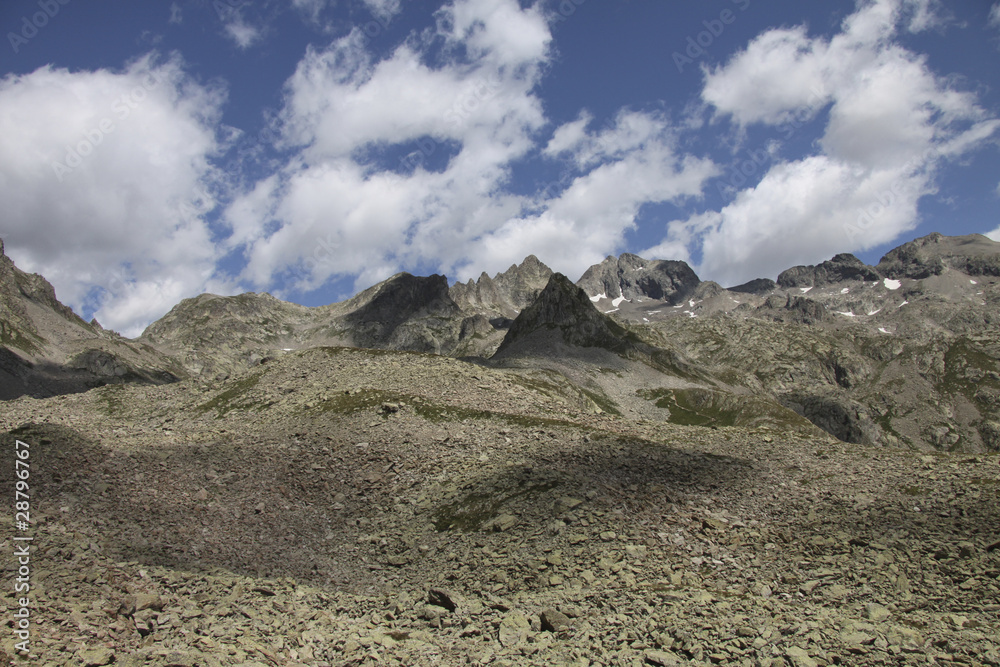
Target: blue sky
<point>310,148</point>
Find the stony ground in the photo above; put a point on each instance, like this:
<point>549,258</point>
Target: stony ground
<point>339,507</point>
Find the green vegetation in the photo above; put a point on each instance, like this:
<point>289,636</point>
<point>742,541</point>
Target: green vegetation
<point>689,407</point>
<point>26,341</point>
<point>705,407</point>
<point>233,398</point>
<point>967,369</point>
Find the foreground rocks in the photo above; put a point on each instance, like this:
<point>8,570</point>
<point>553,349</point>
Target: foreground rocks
<point>287,517</point>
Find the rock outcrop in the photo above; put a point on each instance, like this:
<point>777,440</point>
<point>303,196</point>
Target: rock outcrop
<point>842,268</point>
<point>633,277</point>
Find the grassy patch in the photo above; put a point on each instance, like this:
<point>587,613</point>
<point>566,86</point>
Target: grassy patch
<point>437,413</point>
<point>705,407</point>
<point>234,398</point>
<point>27,342</point>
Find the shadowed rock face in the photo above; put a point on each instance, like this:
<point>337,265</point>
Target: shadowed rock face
<point>930,255</point>
<point>841,268</point>
<point>407,312</point>
<point>633,277</point>
<point>756,286</point>
<point>565,307</point>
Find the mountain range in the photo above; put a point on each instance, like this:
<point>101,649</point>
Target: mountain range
<point>902,353</point>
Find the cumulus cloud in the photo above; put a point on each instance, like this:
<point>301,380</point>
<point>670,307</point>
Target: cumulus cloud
<point>891,125</point>
<point>384,9</point>
<point>455,128</point>
<point>995,15</point>
<point>106,178</point>
<point>342,109</point>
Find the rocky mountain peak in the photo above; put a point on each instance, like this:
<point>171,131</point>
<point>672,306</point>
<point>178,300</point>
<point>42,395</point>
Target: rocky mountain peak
<point>930,255</point>
<point>566,308</point>
<point>840,268</point>
<point>634,277</point>
<point>505,294</point>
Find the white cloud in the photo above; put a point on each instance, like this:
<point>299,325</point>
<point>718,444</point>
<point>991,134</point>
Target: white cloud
<point>892,124</point>
<point>383,9</point>
<point>631,163</point>
<point>105,177</point>
<point>568,136</point>
<point>995,15</point>
<point>341,107</point>
<point>995,234</point>
<point>241,32</point>
<point>176,14</point>
<point>336,209</point>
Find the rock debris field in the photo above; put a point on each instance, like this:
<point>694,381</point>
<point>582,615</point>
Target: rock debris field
<point>353,507</point>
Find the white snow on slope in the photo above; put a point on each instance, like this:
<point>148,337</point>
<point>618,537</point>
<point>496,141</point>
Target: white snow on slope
<point>804,289</point>
<point>598,297</point>
<point>902,304</point>
<point>845,290</point>
<point>847,314</point>
<point>891,284</point>
<point>617,302</point>
<point>875,312</point>
<point>883,330</point>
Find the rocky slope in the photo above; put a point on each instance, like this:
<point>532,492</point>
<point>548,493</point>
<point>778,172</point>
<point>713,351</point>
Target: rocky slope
<point>870,354</point>
<point>345,507</point>
<point>46,349</point>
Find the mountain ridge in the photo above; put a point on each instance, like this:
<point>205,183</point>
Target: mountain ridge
<point>901,353</point>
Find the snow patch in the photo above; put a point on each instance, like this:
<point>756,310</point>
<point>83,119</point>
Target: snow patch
<point>804,289</point>
<point>617,302</point>
<point>891,284</point>
<point>613,310</point>
<point>973,282</point>
<point>846,290</point>
<point>847,314</point>
<point>875,312</point>
<point>652,312</point>
<point>598,297</point>
<point>883,330</point>
<point>902,304</point>
<point>645,319</point>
